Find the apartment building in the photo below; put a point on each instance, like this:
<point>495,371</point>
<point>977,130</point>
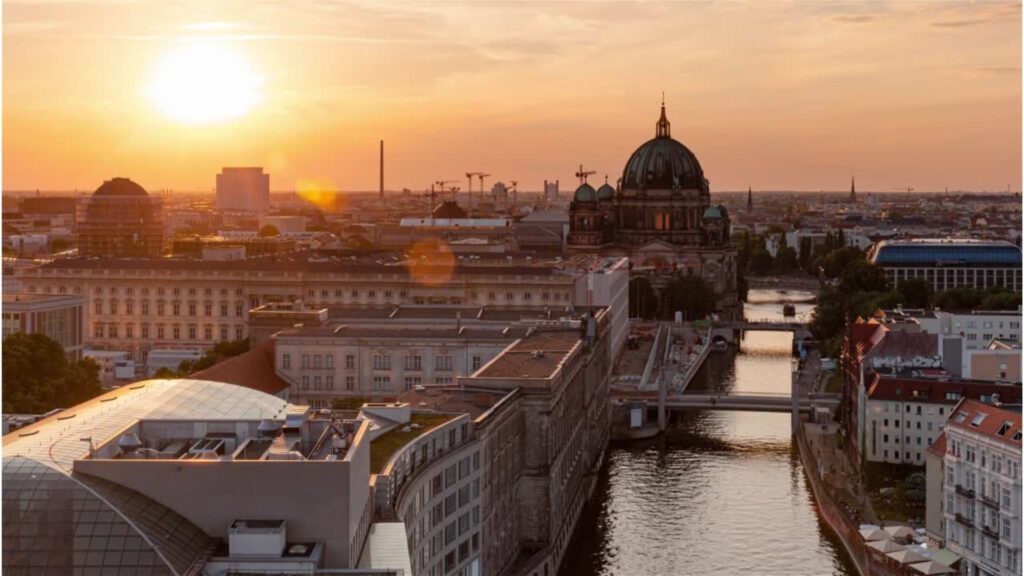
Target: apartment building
<point>904,416</point>
<point>982,488</point>
<point>136,304</point>
<point>58,317</point>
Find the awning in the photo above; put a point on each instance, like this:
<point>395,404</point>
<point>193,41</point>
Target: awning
<point>906,556</point>
<point>873,534</point>
<point>900,531</point>
<point>885,546</point>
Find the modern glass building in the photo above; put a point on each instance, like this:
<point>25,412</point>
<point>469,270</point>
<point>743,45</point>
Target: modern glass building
<point>950,263</point>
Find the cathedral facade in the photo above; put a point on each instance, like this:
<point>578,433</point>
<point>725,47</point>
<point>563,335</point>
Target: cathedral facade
<point>662,218</point>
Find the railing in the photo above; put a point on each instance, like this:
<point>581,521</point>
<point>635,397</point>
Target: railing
<point>964,519</point>
<point>964,491</point>
<point>990,532</point>
<point>988,501</point>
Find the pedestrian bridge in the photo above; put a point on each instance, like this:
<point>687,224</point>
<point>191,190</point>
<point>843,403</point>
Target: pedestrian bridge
<point>750,402</point>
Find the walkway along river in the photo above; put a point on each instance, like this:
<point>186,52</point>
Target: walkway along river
<point>721,493</point>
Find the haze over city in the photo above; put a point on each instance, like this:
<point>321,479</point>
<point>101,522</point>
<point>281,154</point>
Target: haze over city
<point>796,96</point>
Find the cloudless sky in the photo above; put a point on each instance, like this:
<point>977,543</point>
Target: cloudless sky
<point>780,95</point>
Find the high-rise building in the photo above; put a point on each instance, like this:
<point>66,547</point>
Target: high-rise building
<point>120,220</point>
<point>245,189</point>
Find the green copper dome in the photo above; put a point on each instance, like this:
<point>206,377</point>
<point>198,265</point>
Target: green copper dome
<point>585,193</point>
<point>605,192</point>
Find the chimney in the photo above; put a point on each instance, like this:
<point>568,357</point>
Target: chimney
<point>381,169</point>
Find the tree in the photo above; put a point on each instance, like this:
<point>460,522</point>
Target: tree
<point>761,261</point>
<point>916,292</point>
<point>863,276</point>
<point>37,376</point>
<point>688,294</point>
<point>219,351</point>
<point>958,299</point>
<point>834,262</point>
<point>1000,300</point>
<point>785,259</point>
<point>643,301</point>
<point>269,231</point>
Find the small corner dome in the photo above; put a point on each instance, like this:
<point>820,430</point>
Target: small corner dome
<point>585,193</point>
<point>605,192</point>
<point>712,212</point>
<point>120,187</point>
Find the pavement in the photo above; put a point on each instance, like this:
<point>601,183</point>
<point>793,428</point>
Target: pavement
<point>840,474</point>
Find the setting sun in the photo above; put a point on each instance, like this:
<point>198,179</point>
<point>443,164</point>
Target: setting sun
<point>203,83</point>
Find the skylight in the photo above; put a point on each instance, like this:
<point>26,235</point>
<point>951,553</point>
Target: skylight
<point>960,417</point>
<point>1004,428</point>
<point>978,419</point>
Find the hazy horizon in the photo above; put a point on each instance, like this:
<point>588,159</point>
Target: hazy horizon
<point>786,97</point>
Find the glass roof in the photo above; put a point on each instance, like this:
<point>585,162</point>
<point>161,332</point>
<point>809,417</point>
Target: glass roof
<point>58,440</point>
<point>948,254</point>
<point>59,524</point>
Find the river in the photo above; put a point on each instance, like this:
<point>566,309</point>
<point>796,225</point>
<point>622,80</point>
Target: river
<point>723,492</point>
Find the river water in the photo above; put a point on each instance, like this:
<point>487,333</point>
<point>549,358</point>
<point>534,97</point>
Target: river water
<point>722,493</point>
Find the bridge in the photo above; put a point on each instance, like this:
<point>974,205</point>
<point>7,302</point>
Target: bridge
<point>744,401</point>
<point>727,330</point>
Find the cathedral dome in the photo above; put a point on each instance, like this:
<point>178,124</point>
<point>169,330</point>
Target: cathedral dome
<point>120,187</point>
<point>663,163</point>
<point>605,192</point>
<point>585,193</point>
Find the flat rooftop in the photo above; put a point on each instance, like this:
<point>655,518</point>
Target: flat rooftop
<point>453,399</point>
<point>425,332</point>
<point>538,356</point>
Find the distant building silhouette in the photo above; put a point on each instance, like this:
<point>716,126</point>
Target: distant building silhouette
<point>449,209</point>
<point>853,190</point>
<point>245,189</point>
<point>120,219</point>
<point>750,199</point>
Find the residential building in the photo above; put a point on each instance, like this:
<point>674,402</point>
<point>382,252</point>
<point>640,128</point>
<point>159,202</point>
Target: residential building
<point>950,263</point>
<point>982,488</point>
<point>935,497</point>
<point>121,220</point>
<point>904,416</point>
<point>56,316</point>
<point>243,189</point>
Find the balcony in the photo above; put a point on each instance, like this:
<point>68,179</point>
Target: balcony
<point>964,491</point>
<point>964,520</point>
<point>989,501</point>
<point>990,532</point>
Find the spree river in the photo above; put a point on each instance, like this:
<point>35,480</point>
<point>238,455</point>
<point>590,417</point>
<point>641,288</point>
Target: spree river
<point>722,493</point>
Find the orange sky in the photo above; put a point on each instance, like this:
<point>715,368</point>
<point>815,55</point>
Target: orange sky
<point>781,95</point>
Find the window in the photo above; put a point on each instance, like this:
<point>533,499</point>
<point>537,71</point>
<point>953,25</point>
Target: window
<point>97,331</point>
<point>330,360</point>
<point>191,332</point>
<point>381,362</point>
<point>160,309</point>
<point>129,308</point>
<point>224,333</point>
<point>191,309</point>
<point>1007,528</point>
<point>286,361</point>
<point>350,361</point>
<point>208,309</point>
<point>145,331</point>
<point>239,332</point>
<point>191,291</point>
<point>350,382</point>
<point>413,362</point>
<point>238,310</point>
<point>223,309</point>
<point>443,380</point>
<point>176,331</point>
<point>382,383</point>
<point>508,295</point>
<point>145,308</point>
<point>177,310</point>
<point>476,363</point>
<point>160,332</point>
<point>318,361</point>
<point>443,363</point>
<point>329,382</point>
<point>316,383</point>
<point>305,360</point>
<point>305,382</point>
<point>411,381</point>
<point>1006,501</point>
<point>98,308</point>
<point>207,333</point>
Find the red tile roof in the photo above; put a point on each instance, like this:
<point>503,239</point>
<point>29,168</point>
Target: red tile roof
<point>906,344</point>
<point>997,423</point>
<point>938,448</point>
<point>865,335</point>
<point>254,369</point>
<point>882,387</point>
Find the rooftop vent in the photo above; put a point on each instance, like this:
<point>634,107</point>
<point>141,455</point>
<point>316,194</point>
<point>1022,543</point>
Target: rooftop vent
<point>129,443</point>
<point>268,428</point>
<point>537,354</point>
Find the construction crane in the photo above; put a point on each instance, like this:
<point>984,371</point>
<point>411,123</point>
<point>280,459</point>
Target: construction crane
<point>469,188</point>
<point>443,185</point>
<point>481,176</point>
<point>582,174</point>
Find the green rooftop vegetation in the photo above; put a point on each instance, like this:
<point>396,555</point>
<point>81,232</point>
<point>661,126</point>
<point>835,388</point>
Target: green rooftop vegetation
<point>382,448</point>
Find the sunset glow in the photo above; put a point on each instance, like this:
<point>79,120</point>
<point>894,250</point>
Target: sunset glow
<point>202,83</point>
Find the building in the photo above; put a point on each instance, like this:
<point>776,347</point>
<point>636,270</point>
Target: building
<point>197,246</point>
<point>661,217</point>
<point>140,304</point>
<point>543,230</point>
<point>120,220</point>
<point>982,488</point>
<point>905,415</point>
<point>243,189</point>
<point>59,317</point>
<point>950,263</point>
<point>499,489</point>
<point>979,344</point>
<point>935,498</point>
<point>285,225</point>
<point>167,477</point>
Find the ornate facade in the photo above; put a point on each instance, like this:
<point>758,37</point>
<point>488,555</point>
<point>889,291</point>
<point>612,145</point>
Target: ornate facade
<point>661,217</point>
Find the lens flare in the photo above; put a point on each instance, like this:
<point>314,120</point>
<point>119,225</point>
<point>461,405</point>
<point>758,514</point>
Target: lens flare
<point>321,193</point>
<point>431,262</point>
<point>204,82</point>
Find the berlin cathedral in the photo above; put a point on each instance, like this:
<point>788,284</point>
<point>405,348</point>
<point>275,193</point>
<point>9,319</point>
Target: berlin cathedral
<point>661,217</point>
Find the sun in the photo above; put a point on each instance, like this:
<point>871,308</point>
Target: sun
<point>205,83</point>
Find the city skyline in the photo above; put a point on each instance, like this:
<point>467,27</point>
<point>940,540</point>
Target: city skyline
<point>781,97</point>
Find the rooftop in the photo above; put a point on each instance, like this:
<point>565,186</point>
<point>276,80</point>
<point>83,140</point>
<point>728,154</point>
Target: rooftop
<point>1000,424</point>
<point>932,252</point>
<point>537,357</point>
<point>897,389</point>
<point>253,369</point>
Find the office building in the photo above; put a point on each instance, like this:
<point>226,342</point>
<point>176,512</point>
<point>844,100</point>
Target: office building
<point>57,316</point>
<point>243,189</point>
<point>950,263</point>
